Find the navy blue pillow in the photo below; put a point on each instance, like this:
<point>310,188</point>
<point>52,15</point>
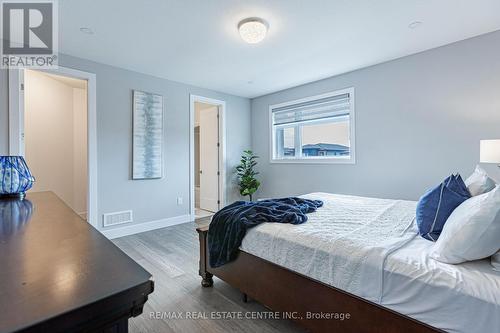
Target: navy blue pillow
<point>435,206</point>
<point>457,184</point>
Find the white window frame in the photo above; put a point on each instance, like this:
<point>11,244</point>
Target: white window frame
<point>325,160</point>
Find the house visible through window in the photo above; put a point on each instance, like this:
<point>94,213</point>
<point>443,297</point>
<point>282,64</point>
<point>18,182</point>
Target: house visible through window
<point>318,128</point>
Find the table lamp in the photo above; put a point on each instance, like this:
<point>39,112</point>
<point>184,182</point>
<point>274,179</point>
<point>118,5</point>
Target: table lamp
<point>490,151</point>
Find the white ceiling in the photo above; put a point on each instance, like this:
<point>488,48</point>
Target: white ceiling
<point>197,42</point>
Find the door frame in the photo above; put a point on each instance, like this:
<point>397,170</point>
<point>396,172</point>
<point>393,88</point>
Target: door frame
<point>222,149</point>
<point>16,126</point>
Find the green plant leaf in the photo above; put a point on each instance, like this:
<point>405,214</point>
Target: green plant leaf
<point>246,174</point>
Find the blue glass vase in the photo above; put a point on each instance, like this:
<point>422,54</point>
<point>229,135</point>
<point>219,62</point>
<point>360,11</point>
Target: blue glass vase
<point>15,176</point>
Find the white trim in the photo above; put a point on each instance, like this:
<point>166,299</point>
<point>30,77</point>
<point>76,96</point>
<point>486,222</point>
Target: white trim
<point>16,118</point>
<point>328,160</point>
<point>222,140</point>
<point>146,226</point>
<point>16,121</point>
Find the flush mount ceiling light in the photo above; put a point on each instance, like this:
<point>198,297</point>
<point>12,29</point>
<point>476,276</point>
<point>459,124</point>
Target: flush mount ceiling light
<point>253,30</point>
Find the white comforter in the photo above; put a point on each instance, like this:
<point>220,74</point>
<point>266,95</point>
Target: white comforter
<point>369,247</point>
<point>350,236</point>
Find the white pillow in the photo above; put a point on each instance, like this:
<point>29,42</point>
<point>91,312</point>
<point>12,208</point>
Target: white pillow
<point>472,231</point>
<point>479,182</point>
<point>495,261</point>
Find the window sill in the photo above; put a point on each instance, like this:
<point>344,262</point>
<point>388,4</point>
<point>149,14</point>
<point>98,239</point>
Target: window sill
<point>314,161</point>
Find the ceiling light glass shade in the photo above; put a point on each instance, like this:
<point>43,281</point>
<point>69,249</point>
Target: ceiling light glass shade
<point>253,30</point>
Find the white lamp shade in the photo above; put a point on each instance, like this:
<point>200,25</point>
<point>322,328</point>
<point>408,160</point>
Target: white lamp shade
<point>490,151</point>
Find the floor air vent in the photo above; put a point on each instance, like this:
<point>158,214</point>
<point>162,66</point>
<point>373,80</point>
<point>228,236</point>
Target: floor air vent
<point>117,218</point>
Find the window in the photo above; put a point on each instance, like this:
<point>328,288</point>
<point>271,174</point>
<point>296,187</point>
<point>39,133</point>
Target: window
<point>314,129</point>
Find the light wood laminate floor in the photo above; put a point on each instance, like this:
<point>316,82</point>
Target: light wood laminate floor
<point>171,256</point>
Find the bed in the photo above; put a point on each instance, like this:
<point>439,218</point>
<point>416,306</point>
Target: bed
<point>360,256</point>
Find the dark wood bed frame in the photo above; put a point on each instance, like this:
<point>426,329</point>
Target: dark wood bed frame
<point>285,291</point>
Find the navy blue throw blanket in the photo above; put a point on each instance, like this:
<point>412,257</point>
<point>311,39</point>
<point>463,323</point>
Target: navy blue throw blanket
<point>230,224</point>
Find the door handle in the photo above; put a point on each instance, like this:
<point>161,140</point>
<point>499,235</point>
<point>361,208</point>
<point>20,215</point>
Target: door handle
<point>201,171</point>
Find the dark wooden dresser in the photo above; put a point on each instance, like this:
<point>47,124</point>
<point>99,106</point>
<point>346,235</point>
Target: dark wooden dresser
<point>59,274</point>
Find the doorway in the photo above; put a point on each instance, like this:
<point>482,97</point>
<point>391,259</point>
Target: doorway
<point>207,150</point>
<point>52,124</point>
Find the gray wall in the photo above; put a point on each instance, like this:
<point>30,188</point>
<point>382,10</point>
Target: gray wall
<point>149,199</point>
<point>418,119</point>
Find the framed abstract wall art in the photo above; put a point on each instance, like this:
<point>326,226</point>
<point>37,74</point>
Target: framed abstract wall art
<point>147,160</point>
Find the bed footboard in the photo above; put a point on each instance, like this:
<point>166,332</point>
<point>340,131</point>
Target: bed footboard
<point>282,290</point>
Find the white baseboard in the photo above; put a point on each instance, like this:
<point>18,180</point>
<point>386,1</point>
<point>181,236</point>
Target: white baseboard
<point>146,226</point>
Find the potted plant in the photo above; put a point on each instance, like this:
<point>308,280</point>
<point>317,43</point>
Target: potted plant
<point>246,174</point>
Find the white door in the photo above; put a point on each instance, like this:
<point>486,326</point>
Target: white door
<point>209,159</point>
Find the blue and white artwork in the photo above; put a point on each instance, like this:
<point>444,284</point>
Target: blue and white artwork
<point>147,136</point>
